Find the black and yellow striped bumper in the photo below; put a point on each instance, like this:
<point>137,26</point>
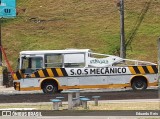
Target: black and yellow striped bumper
<point>143,69</point>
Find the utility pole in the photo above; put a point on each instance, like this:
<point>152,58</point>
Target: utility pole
<point>122,40</point>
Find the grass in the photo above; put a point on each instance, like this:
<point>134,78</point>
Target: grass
<point>82,24</point>
<point>101,106</point>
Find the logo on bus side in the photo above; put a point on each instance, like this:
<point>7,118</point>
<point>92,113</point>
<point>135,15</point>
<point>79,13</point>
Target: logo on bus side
<point>99,61</point>
<point>98,71</point>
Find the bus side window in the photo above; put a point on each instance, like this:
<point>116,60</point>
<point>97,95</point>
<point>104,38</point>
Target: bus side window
<point>53,60</point>
<point>31,64</point>
<point>74,60</point>
<point>36,63</point>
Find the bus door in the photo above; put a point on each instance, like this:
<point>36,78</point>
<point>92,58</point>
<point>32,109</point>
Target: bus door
<point>30,65</point>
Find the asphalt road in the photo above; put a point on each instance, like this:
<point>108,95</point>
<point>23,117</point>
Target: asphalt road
<point>104,95</point>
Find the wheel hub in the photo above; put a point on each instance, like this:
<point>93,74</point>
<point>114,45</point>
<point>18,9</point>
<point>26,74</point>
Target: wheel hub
<point>49,87</point>
<point>139,85</point>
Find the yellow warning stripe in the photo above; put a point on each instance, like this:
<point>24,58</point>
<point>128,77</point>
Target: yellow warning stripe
<point>41,74</point>
<point>33,75</point>
<point>141,69</point>
<point>59,72</point>
<point>132,70</point>
<point>15,77</point>
<point>150,69</point>
<point>50,73</point>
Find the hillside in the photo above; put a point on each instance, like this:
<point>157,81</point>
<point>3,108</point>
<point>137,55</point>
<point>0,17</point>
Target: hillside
<point>93,24</point>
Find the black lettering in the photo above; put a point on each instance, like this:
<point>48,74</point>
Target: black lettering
<point>79,71</point>
<point>72,71</point>
<point>123,70</point>
<point>92,71</point>
<point>112,70</point>
<point>102,71</point>
<point>86,71</point>
<point>106,71</point>
<point>119,70</point>
<point>98,71</point>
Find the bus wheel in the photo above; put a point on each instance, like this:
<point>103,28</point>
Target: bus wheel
<point>139,84</point>
<point>49,88</point>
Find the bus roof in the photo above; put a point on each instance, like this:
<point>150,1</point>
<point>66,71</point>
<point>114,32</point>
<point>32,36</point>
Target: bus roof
<point>55,51</point>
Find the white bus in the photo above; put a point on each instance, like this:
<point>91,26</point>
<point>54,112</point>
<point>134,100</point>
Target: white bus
<point>57,70</point>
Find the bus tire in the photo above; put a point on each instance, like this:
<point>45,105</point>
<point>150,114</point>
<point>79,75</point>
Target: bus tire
<point>49,88</point>
<point>139,84</point>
